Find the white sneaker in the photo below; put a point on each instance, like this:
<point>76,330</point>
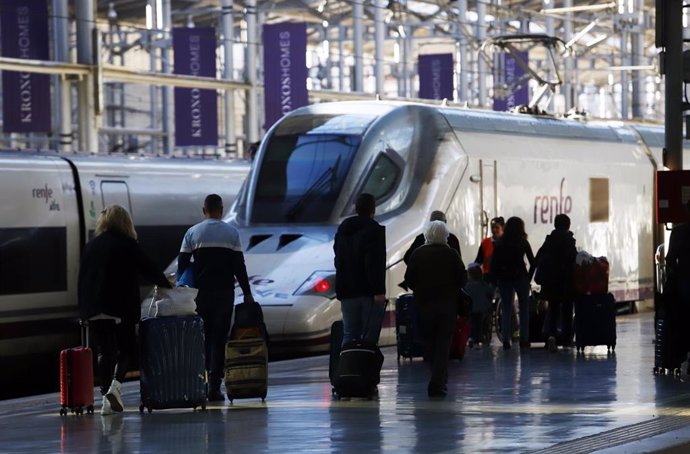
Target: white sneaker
<point>113,396</point>
<point>106,409</point>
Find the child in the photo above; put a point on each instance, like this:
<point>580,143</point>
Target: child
<point>481,294</point>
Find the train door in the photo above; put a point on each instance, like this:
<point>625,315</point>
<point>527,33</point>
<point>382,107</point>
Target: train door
<point>488,194</point>
<point>116,193</point>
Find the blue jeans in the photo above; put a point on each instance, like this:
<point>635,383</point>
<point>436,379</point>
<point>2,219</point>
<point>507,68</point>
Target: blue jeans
<point>507,289</point>
<point>362,319</point>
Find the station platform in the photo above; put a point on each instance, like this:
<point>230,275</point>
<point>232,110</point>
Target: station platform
<point>498,401</point>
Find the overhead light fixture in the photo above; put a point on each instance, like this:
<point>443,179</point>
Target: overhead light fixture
<point>581,33</point>
<point>630,68</point>
<point>577,9</point>
<point>149,16</point>
<point>625,68</point>
<point>596,41</point>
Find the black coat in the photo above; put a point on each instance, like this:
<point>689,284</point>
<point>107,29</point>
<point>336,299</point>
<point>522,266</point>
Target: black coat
<point>419,241</point>
<point>109,276</point>
<point>360,258</point>
<point>555,262</point>
<point>508,260</point>
<point>678,256</point>
<point>435,272</point>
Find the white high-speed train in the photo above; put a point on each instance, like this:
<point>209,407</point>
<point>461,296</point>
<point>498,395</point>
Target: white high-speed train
<point>49,204</point>
<point>473,165</point>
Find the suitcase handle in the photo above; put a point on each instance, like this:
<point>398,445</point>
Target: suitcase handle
<point>84,324</point>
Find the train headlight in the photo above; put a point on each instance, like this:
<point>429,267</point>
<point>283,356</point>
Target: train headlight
<point>321,283</point>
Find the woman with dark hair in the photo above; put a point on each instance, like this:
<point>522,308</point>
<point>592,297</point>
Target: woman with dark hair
<point>509,271</point>
<point>108,294</point>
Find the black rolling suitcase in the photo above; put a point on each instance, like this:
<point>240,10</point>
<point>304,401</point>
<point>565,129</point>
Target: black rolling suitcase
<point>334,352</point>
<point>667,352</point>
<point>670,346</point>
<point>356,369</point>
<point>359,370</point>
<point>595,321</point>
<point>407,330</point>
<point>173,370</point>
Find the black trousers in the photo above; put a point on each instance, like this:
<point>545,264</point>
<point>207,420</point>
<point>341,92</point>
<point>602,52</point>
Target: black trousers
<point>559,320</point>
<point>478,325</point>
<point>216,310</point>
<point>116,345</point>
<point>438,320</point>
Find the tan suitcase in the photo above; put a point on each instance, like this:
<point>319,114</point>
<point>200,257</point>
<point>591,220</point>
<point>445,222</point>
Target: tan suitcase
<point>246,368</point>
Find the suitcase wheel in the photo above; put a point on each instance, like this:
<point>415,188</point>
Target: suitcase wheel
<point>89,409</point>
<point>141,408</point>
<point>656,370</point>
<point>203,406</point>
<point>63,411</point>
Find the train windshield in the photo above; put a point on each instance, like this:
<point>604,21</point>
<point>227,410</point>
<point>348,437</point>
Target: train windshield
<point>304,167</point>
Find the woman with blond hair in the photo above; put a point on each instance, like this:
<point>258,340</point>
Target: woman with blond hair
<point>108,294</point>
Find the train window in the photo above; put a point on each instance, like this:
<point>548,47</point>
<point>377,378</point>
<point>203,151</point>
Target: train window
<point>33,260</point>
<point>598,200</point>
<point>383,178</point>
<point>301,176</point>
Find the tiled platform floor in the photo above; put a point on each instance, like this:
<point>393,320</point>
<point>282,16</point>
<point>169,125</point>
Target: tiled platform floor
<point>498,401</point>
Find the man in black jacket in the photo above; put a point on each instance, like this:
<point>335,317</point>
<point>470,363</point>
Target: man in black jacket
<point>360,272</point>
<point>555,266</point>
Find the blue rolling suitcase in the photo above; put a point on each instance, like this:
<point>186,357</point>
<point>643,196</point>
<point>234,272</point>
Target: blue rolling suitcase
<point>407,329</point>
<point>173,369</point>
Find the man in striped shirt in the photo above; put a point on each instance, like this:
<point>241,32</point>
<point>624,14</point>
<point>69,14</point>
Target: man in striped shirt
<point>218,261</point>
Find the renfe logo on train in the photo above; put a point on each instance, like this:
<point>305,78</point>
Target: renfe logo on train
<point>42,193</point>
<point>46,193</point>
<point>546,207</point>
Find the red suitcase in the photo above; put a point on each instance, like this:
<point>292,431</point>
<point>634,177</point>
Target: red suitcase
<point>76,378</point>
<point>460,337</point>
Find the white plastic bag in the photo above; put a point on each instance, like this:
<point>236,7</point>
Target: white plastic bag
<point>584,258</point>
<point>171,301</point>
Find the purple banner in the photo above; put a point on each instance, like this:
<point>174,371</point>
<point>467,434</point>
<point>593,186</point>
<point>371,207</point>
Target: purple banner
<point>436,76</point>
<point>196,110</point>
<point>26,96</point>
<point>285,69</point>
<point>518,91</point>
